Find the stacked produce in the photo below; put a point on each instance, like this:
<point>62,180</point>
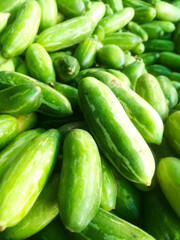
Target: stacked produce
<point>89,120</point>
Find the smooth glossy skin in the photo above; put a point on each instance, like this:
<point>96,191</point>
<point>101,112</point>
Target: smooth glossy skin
<point>3,20</point>
<point>137,29</point>
<point>117,21</point>
<point>169,91</point>
<point>107,226</point>
<point>129,201</point>
<point>172,130</point>
<point>125,40</point>
<point>109,187</point>
<point>149,58</point>
<point>23,30</point>
<point>79,192</point>
<point>8,129</point>
<point>68,91</point>
<point>7,66</point>
<point>143,116</point>
<point>49,13</point>
<point>144,14</point>
<point>159,45</point>
<point>73,8</point>
<point>85,53</point>
<point>121,76</point>
<point>160,220</point>
<point>44,210</point>
<point>53,103</point>
<point>20,100</point>
<point>168,175</point>
<point>26,122</point>
<point>111,56</point>
<point>10,152</point>
<point>154,31</point>
<point>116,5</point>
<point>34,165</point>
<point>170,60</point>
<point>167,12</point>
<point>39,64</point>
<point>65,34</point>
<point>157,70</point>
<point>148,88</point>
<point>115,134</point>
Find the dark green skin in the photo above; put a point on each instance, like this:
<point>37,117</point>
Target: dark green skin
<point>125,40</point>
<point>109,186</point>
<point>169,91</point>
<point>148,88</point>
<point>172,130</point>
<point>170,60</point>
<point>160,220</point>
<point>153,30</point>
<point>26,122</point>
<point>53,103</point>
<point>136,4</point>
<point>79,193</point>
<point>71,8</point>
<point>168,175</point>
<point>107,226</point>
<point>159,45</point>
<point>117,137</point>
<point>34,165</point>
<point>128,202</point>
<point>142,115</point>
<point>44,210</point>
<point>66,67</point>
<point>8,129</point>
<point>111,56</point>
<point>149,58</point>
<point>65,129</point>
<point>69,92</point>
<point>54,230</point>
<point>174,76</point>
<point>133,71</point>
<point>20,100</point>
<point>10,152</point>
<point>144,14</point>
<point>85,53</point>
<point>158,70</point>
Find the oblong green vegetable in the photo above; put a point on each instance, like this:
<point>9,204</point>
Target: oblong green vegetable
<point>109,187</point>
<point>169,91</point>
<point>167,12</point>
<point>138,30</point>
<point>111,56</point>
<point>44,210</point>
<point>66,67</point>
<point>107,226</point>
<point>20,100</point>
<point>148,88</point>
<point>140,48</point>
<point>149,58</point>
<point>81,170</point>
<point>121,76</point>
<point>10,152</point>
<point>160,220</point>
<point>71,8</point>
<point>65,34</point>
<point>49,13</point>
<point>125,40</point>
<point>128,202</point>
<point>166,26</point>
<point>116,5</point>
<point>53,103</point>
<point>172,130</point>
<point>23,30</point>
<point>34,165</point>
<point>85,53</point>
<point>168,174</point>
<point>117,137</point>
<point>159,45</point>
<point>39,64</point>
<point>153,30</point>
<point>143,116</point>
<point>170,60</point>
<point>144,14</point>
<point>117,21</point>
<point>157,70</point>
<point>11,6</point>
<point>8,129</point>
<point>136,3</point>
